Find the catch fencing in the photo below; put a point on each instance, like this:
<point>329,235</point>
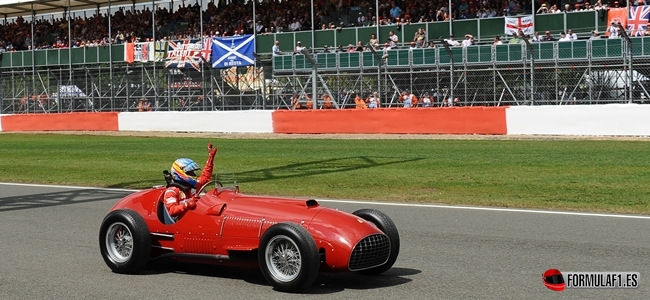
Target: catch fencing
<point>553,73</point>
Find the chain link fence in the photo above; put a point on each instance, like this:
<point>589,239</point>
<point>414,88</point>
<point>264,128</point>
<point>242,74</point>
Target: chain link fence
<point>136,87</point>
<point>538,79</point>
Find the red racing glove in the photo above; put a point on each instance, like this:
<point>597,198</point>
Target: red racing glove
<point>212,151</point>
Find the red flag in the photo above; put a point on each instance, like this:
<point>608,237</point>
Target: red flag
<point>129,51</point>
<point>617,15</point>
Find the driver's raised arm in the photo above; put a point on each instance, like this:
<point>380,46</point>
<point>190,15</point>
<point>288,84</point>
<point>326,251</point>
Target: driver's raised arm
<point>206,174</point>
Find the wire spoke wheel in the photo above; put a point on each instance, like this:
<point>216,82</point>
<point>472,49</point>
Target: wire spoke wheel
<point>283,258</point>
<point>119,242</point>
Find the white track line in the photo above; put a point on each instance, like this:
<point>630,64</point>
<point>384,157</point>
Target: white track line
<point>381,203</point>
<point>68,187</point>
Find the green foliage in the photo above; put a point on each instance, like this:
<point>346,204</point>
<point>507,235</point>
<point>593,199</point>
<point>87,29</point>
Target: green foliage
<point>550,174</point>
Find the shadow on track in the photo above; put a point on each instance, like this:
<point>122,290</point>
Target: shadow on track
<point>326,283</point>
<point>58,198</point>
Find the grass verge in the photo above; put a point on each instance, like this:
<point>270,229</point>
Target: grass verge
<point>551,174</point>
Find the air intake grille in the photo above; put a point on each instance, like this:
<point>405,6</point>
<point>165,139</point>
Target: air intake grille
<point>370,252</point>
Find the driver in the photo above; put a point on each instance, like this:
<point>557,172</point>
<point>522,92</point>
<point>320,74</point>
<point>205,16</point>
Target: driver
<point>181,197</point>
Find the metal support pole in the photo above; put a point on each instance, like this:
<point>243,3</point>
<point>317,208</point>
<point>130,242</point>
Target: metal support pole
<point>32,46</point>
<point>70,82</point>
<point>451,69</point>
<point>313,30</point>
<point>110,58</point>
<point>630,80</point>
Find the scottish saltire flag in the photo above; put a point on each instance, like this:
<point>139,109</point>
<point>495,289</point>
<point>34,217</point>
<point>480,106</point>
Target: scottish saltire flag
<point>233,51</point>
<point>513,25</point>
<point>637,19</point>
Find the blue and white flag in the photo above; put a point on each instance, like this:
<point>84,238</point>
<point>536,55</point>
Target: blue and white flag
<point>233,51</point>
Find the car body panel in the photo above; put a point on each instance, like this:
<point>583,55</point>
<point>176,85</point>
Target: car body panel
<point>226,224</point>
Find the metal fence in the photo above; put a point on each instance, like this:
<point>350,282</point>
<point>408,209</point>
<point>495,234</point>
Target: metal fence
<point>566,75</point>
<point>135,87</point>
<point>594,78</point>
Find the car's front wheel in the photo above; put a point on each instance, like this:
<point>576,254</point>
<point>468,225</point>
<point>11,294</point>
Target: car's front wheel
<point>124,241</point>
<point>288,257</point>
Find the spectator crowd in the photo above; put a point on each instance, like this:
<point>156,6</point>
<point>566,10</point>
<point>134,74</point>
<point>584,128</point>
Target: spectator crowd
<point>234,17</point>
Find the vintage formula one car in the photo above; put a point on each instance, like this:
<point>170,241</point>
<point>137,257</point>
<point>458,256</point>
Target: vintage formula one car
<point>291,240</point>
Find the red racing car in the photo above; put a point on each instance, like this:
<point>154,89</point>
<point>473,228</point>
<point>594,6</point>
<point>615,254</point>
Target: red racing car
<point>291,240</point>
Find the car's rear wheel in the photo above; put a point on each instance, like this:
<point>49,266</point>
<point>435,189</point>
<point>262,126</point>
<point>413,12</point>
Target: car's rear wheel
<point>288,257</point>
<point>124,241</point>
<point>386,225</point>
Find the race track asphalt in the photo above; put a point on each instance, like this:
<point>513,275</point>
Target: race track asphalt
<point>49,250</point>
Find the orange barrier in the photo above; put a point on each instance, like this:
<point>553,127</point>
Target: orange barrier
<point>61,122</point>
<point>447,120</point>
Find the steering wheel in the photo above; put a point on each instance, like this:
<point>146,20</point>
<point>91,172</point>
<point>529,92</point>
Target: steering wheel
<point>216,182</point>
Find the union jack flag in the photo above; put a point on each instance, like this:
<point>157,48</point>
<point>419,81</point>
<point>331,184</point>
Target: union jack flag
<point>207,50</point>
<point>184,52</point>
<point>637,19</point>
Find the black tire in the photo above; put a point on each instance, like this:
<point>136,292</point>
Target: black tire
<point>134,233</point>
<point>297,275</point>
<point>386,225</point>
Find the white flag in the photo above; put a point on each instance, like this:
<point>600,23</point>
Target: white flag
<point>525,24</point>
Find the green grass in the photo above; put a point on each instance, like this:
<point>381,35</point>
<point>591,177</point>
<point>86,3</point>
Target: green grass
<point>551,174</point>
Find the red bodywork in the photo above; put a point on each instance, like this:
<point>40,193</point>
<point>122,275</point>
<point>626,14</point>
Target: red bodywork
<point>226,225</point>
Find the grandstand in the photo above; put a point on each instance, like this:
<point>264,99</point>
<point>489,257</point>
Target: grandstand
<point>43,52</point>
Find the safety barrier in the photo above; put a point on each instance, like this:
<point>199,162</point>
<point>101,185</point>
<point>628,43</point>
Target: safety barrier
<point>213,121</point>
<point>609,119</point>
<point>60,122</point>
<point>451,120</point>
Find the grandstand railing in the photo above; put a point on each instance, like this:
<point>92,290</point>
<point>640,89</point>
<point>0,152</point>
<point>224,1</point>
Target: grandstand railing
<point>582,23</point>
<point>597,49</point>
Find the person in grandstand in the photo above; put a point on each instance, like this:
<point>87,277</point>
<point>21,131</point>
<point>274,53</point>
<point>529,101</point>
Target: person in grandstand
<point>426,100</point>
<point>180,196</point>
<point>468,41</point>
<point>420,37</point>
<point>595,35</point>
<point>373,100</point>
<point>360,47</point>
<point>564,37</point>
<point>393,39</point>
<point>406,98</point>
<point>548,37</point>
<point>276,48</point>
<point>295,101</point>
<point>327,101</point>
<point>359,102</point>
<point>572,36</point>
<point>452,42</point>
<point>299,48</point>
<point>613,30</point>
<point>374,41</point>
